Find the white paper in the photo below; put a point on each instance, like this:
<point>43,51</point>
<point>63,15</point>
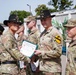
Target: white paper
<point>34,65</point>
<point>28,48</point>
<point>21,63</point>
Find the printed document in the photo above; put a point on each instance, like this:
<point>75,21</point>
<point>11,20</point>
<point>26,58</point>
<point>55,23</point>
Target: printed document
<point>28,48</point>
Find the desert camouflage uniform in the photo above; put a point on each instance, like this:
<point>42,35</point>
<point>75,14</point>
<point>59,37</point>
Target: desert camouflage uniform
<point>71,59</point>
<point>33,37</point>
<point>51,46</point>
<point>9,52</point>
<point>28,69</point>
<point>20,39</point>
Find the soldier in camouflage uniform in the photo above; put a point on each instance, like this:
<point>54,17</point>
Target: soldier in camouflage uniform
<point>9,52</point>
<point>50,46</point>
<point>33,35</point>
<point>71,55</point>
<point>21,35</point>
<point>20,39</point>
<point>1,30</point>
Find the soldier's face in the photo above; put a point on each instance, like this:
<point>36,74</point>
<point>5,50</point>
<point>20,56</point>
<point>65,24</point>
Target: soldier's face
<point>13,26</point>
<point>71,32</point>
<point>46,22</point>
<point>30,24</point>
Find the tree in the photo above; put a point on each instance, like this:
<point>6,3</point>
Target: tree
<point>74,7</point>
<point>53,3</point>
<point>22,14</point>
<point>65,4</point>
<point>40,8</point>
<point>60,4</point>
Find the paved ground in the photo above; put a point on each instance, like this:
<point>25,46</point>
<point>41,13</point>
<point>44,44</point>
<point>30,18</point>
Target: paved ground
<point>63,61</point>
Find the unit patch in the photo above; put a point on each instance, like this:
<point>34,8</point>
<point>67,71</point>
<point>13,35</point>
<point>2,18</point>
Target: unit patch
<point>58,39</point>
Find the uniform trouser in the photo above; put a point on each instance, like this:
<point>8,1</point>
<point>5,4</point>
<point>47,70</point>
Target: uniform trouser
<point>46,73</point>
<point>22,71</point>
<point>28,70</point>
<point>70,73</point>
<point>8,74</point>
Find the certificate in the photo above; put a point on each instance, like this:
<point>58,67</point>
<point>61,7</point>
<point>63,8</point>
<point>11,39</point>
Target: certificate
<point>28,48</point>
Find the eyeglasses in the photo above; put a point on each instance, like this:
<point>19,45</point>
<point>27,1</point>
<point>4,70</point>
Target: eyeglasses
<point>69,28</point>
<point>28,22</point>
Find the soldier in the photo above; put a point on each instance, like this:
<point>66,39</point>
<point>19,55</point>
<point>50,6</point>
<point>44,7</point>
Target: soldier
<point>21,35</point>
<point>1,29</point>
<point>9,53</point>
<point>71,55</point>
<point>20,39</point>
<point>33,35</point>
<point>50,46</point>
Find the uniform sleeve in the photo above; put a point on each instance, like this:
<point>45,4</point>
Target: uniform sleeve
<point>12,48</point>
<point>53,53</point>
<point>53,49</point>
<point>71,59</point>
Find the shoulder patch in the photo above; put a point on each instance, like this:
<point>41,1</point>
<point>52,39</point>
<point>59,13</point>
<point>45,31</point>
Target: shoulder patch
<point>58,39</point>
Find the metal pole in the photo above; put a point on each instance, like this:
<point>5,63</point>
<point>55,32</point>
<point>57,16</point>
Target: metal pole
<point>29,8</point>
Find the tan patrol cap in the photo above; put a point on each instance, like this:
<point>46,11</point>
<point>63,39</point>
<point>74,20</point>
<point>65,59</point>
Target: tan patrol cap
<point>30,18</point>
<point>71,23</point>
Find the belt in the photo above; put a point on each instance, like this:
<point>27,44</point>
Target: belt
<point>8,62</point>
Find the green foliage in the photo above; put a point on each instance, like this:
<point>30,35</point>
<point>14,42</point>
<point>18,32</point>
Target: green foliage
<point>56,24</point>
<point>65,4</point>
<point>75,7</point>
<point>53,3</point>
<point>22,14</point>
<point>61,26</point>
<point>40,8</point>
<point>60,4</point>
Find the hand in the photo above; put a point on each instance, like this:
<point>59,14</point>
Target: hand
<point>25,66</point>
<point>71,73</point>
<point>37,52</point>
<point>19,47</point>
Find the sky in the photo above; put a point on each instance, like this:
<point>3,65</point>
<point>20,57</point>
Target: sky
<point>6,6</point>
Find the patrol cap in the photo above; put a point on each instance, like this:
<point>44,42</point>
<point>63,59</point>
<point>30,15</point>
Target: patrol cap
<point>30,18</point>
<point>1,29</point>
<point>12,18</point>
<point>71,23</point>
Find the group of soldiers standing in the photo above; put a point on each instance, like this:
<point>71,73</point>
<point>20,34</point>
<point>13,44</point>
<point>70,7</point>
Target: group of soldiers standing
<point>49,42</point>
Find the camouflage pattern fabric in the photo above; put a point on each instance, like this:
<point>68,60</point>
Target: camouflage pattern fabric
<point>23,71</point>
<point>51,46</point>
<point>33,37</point>
<point>56,73</point>
<point>71,59</point>
<point>9,52</point>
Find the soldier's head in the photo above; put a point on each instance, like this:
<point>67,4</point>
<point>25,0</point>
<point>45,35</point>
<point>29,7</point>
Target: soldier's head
<point>1,29</point>
<point>45,18</point>
<point>31,21</point>
<point>20,30</point>
<point>71,28</point>
<point>13,22</point>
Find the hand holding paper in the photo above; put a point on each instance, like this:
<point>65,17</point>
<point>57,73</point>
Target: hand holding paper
<point>37,52</point>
